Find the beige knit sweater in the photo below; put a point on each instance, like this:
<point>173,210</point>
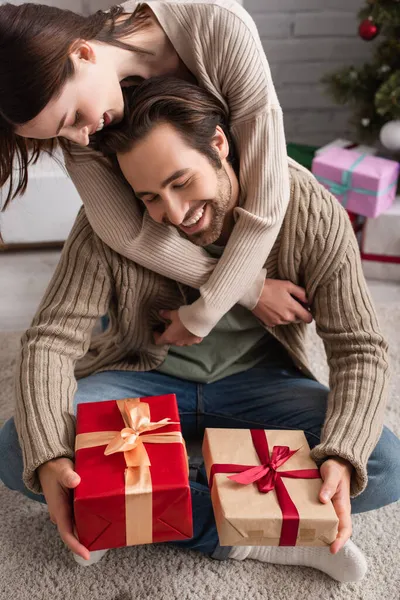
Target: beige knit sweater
<point>219,43</point>
<point>316,248</point>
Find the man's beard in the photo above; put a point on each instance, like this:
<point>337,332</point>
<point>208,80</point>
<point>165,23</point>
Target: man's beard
<point>219,207</point>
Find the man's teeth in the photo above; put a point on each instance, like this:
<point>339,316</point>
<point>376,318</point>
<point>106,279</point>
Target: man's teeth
<point>196,217</point>
<point>101,124</point>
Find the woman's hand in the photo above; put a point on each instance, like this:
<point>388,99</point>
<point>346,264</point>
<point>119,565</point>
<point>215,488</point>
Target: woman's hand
<point>278,305</point>
<point>175,333</point>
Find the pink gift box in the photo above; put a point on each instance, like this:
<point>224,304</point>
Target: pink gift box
<point>363,184</point>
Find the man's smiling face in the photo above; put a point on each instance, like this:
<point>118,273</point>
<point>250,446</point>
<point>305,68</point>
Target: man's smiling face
<point>179,185</point>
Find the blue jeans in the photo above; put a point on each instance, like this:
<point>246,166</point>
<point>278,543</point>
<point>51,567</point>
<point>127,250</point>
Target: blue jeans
<point>270,397</point>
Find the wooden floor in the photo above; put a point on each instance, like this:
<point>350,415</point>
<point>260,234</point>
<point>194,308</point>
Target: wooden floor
<point>24,276</point>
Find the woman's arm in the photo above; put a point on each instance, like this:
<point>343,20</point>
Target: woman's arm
<point>233,66</point>
<point>238,73</point>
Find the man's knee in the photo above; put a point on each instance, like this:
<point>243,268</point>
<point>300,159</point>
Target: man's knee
<point>311,399</point>
<point>11,462</point>
<point>383,475</point>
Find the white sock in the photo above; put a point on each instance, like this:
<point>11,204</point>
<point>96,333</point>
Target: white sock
<point>95,556</point>
<point>347,565</point>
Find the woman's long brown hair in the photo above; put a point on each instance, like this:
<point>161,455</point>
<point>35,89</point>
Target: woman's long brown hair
<point>35,64</point>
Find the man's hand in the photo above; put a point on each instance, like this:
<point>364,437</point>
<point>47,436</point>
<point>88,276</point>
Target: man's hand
<point>58,478</point>
<point>336,475</point>
<point>175,333</point>
<point>277,306</point>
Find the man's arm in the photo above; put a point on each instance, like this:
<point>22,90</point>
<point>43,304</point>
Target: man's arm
<point>77,295</point>
<point>318,233</point>
<point>357,357</point>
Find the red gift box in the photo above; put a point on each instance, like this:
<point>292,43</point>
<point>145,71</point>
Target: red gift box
<point>139,492</point>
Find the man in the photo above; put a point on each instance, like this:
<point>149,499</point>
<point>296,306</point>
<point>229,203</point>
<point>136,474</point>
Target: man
<point>175,152</point>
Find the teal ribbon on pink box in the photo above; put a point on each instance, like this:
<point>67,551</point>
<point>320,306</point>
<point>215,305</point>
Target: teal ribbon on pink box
<point>363,184</point>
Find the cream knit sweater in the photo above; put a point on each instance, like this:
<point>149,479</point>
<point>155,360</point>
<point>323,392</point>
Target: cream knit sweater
<point>316,248</point>
<point>219,43</point>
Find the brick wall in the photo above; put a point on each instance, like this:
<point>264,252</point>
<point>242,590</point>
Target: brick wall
<point>303,39</point>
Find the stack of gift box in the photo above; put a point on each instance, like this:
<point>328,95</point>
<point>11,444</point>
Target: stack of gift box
<point>134,486</point>
<point>365,184</point>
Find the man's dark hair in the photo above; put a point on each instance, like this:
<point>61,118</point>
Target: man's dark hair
<point>191,110</point>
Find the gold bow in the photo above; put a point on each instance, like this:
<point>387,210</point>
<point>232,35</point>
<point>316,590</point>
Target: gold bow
<point>129,440</point>
<point>136,415</point>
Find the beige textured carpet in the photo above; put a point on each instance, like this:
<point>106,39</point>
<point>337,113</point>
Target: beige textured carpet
<point>34,565</point>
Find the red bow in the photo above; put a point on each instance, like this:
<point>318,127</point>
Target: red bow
<point>268,478</point>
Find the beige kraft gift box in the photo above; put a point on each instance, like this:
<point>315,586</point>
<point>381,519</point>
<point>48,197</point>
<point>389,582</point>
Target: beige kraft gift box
<point>247,517</point>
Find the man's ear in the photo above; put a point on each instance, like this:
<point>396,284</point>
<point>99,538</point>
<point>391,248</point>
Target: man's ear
<point>220,143</point>
<point>81,50</point>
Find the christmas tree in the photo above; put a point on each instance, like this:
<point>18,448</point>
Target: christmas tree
<point>373,90</point>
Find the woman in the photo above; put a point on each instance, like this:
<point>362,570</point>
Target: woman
<point>60,77</point>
